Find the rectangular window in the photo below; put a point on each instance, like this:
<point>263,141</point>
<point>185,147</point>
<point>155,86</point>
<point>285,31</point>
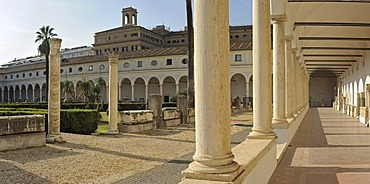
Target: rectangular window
<point>23,75</point>
<point>91,68</point>
<point>107,38</point>
<point>245,36</point>
<point>238,57</point>
<point>37,73</point>
<point>115,37</point>
<point>140,64</point>
<point>124,49</point>
<point>236,36</point>
<point>11,76</point>
<point>169,62</point>
<point>115,49</point>
<point>98,52</point>
<point>134,34</point>
<point>134,48</point>
<point>142,47</point>
<point>70,70</point>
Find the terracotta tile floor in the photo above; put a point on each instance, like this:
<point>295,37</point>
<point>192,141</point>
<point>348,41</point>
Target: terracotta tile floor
<point>328,148</point>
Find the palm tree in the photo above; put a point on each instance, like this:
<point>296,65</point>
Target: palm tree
<point>189,13</point>
<point>97,90</point>
<point>42,37</point>
<point>85,87</point>
<point>67,87</point>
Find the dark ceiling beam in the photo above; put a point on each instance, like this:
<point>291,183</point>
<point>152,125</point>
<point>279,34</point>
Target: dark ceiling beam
<point>335,48</point>
<point>334,61</point>
<point>334,38</point>
<point>331,55</point>
<point>336,24</point>
<point>328,65</point>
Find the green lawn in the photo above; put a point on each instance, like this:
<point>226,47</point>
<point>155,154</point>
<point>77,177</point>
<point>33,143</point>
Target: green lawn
<point>103,125</point>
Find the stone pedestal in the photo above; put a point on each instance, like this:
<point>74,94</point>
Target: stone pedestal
<point>182,104</point>
<point>54,92</point>
<point>155,104</point>
<point>113,92</point>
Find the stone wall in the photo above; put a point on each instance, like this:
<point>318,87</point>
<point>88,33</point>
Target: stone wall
<point>136,121</point>
<point>17,132</point>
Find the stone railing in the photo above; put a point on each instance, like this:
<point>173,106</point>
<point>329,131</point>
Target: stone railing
<point>171,116</point>
<point>17,132</point>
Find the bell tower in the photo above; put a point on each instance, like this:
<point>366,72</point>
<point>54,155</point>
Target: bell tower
<point>129,16</point>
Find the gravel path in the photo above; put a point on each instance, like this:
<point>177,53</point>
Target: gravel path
<point>100,159</point>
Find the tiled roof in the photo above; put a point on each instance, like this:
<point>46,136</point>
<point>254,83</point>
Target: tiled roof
<point>125,55</point>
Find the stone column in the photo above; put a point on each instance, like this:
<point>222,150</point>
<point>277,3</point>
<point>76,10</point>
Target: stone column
<point>133,92</point>
<point>107,93</point>
<point>262,96</point>
<point>40,99</point>
<point>2,96</point>
<point>155,104</point>
<point>247,91</point>
<point>177,88</point>
<point>20,94</point>
<point>161,90</point>
<point>146,93</point>
<point>75,94</point>
<point>113,96</point>
<point>294,82</point>
<point>182,104</point>
<point>288,78</point>
<point>26,94</point>
<point>54,92</point>
<point>213,159</point>
<point>279,71</point>
<point>367,97</point>
<point>120,93</point>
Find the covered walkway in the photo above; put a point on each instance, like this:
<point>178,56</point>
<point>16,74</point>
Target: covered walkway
<point>329,147</point>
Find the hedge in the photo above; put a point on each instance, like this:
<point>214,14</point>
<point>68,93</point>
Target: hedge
<point>72,121</point>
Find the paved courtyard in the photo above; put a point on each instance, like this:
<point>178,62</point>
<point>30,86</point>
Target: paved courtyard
<point>109,159</point>
<point>329,148</point>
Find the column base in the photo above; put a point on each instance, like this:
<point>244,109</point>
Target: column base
<point>112,132</point>
<point>280,123</point>
<point>226,173</point>
<point>55,139</point>
<point>261,135</point>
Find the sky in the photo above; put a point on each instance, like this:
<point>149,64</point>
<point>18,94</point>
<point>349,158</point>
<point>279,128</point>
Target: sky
<point>76,21</point>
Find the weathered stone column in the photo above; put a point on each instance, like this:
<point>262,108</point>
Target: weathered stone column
<point>367,97</point>
<point>2,96</point>
<point>279,71</point>
<point>155,104</point>
<point>262,96</point>
<point>213,159</point>
<point>75,94</point>
<point>54,92</point>
<point>288,78</point>
<point>26,94</point>
<point>161,90</point>
<point>133,92</point>
<point>113,96</point>
<point>294,82</point>
<point>182,104</point>
<point>177,88</point>
<point>247,91</point>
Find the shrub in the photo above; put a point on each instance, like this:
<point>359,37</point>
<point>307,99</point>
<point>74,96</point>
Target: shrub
<point>79,121</point>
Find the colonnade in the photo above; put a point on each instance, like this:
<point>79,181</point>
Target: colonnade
<point>213,159</point>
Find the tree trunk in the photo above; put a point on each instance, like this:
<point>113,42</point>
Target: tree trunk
<point>189,13</point>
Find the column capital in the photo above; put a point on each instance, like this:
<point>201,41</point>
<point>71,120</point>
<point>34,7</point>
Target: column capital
<point>113,56</point>
<point>55,44</point>
<point>279,18</point>
<point>294,51</point>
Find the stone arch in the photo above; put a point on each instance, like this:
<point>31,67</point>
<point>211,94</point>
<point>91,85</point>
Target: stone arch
<point>37,93</point>
<point>139,90</point>
<point>126,90</point>
<point>250,90</point>
<point>30,93</point>
<point>134,19</point>
<point>238,85</point>
<point>154,86</point>
<point>11,94</point>
<point>17,95</point>
<point>350,96</point>
<point>127,19</point>
<point>183,83</point>
<point>23,94</point>
<point>104,92</point>
<point>6,93</point>
<point>367,81</point>
<point>360,86</point>
<point>169,88</point>
<point>44,96</point>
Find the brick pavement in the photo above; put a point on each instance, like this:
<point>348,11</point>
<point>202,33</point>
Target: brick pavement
<point>170,172</point>
<point>329,148</point>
